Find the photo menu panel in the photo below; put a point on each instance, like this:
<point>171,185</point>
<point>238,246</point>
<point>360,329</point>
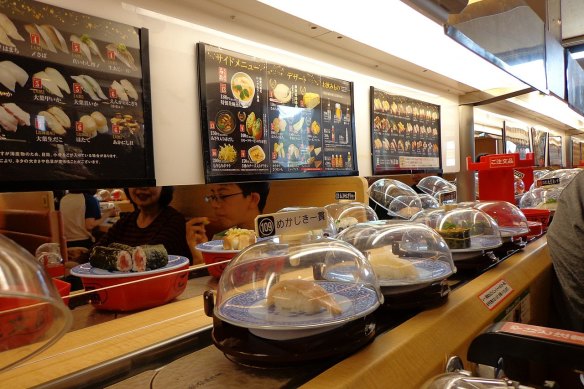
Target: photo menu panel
<point>405,134</point>
<point>263,120</point>
<point>73,106</point>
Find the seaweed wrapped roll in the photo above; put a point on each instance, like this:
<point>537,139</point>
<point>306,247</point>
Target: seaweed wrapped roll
<point>110,258</point>
<point>149,257</point>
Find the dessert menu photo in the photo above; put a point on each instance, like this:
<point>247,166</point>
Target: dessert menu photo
<point>405,134</point>
<point>263,120</point>
<point>72,99</point>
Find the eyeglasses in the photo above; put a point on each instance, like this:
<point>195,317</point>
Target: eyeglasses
<point>220,198</point>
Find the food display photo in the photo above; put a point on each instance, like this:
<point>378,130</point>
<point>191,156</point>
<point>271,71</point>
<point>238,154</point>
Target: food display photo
<point>264,120</point>
<point>405,133</point>
<point>73,90</point>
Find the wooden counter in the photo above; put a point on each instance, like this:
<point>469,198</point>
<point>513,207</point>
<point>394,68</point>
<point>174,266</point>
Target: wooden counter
<point>403,357</point>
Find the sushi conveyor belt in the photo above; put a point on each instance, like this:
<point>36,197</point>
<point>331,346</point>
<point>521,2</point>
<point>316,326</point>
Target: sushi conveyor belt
<point>193,361</point>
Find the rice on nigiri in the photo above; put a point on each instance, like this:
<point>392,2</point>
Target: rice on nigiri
<point>22,116</point>
<point>48,84</point>
<point>20,75</point>
<point>7,121</point>
<point>58,78</point>
<point>7,79</point>
<point>9,28</point>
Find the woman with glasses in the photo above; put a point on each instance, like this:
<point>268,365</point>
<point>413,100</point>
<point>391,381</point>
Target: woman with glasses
<point>233,205</point>
<point>154,221</point>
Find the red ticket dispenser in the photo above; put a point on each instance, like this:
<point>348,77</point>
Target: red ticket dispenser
<point>497,175</point>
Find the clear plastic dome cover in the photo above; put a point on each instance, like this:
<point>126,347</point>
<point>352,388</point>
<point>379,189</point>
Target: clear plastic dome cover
<point>509,218</point>
<point>428,202</point>
<point>463,229</point>
<point>402,253</point>
<point>304,288</point>
<point>49,254</point>
<point>564,176</point>
<point>433,184</point>
<point>537,174</point>
<point>32,313</point>
<point>346,214</point>
<point>541,198</point>
<point>396,197</point>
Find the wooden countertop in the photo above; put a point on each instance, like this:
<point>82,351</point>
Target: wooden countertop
<point>403,357</point>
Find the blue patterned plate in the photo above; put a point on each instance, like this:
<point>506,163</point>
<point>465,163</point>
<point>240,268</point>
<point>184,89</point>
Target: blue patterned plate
<point>480,243</point>
<point>86,270</point>
<point>250,310</point>
<point>428,272</point>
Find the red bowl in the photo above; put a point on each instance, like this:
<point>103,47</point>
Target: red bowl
<point>64,288</point>
<point>213,252</point>
<point>23,321</point>
<point>538,215</point>
<point>156,287</point>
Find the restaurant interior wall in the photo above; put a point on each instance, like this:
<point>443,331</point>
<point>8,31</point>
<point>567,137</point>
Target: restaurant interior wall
<point>175,105</point>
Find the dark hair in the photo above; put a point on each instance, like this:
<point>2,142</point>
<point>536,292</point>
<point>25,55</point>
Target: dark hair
<point>166,195</point>
<point>261,188</point>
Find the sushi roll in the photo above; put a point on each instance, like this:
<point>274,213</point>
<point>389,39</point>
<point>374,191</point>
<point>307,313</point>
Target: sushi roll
<point>121,246</point>
<point>149,257</point>
<point>111,259</point>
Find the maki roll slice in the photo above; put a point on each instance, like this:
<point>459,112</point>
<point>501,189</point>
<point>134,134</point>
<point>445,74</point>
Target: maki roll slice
<point>121,246</point>
<point>149,257</point>
<point>111,259</point>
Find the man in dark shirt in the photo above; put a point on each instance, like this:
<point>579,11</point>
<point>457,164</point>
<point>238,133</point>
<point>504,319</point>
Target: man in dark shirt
<point>565,238</point>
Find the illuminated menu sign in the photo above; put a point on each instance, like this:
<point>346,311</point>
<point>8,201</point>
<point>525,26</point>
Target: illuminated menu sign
<point>405,134</point>
<point>263,120</point>
<point>74,100</point>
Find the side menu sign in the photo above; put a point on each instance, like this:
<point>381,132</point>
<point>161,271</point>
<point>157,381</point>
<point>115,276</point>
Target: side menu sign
<point>263,120</point>
<point>405,134</point>
<point>74,100</point>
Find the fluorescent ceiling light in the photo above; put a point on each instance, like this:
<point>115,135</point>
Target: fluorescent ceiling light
<point>550,106</point>
<point>397,29</point>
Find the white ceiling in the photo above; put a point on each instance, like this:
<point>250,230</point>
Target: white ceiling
<point>296,30</point>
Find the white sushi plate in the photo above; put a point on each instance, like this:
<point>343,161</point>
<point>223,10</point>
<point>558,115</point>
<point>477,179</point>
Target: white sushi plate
<point>86,270</point>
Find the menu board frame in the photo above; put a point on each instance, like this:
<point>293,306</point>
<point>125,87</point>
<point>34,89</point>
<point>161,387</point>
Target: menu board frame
<point>139,142</point>
<point>380,150</point>
<point>207,109</point>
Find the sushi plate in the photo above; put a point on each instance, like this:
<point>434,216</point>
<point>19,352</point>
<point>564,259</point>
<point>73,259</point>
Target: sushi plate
<point>428,271</point>
<point>480,243</point>
<point>214,246</point>
<point>250,309</point>
<point>86,270</point>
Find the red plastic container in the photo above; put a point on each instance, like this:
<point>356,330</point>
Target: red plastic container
<point>213,252</point>
<point>538,215</point>
<point>64,288</point>
<point>156,287</point>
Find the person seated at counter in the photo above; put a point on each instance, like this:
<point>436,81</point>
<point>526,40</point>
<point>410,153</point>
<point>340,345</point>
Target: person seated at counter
<point>233,205</point>
<point>565,237</point>
<point>153,221</point>
<point>81,214</point>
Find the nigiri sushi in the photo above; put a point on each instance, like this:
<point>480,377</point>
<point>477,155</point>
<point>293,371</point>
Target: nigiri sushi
<point>89,126</point>
<point>120,91</point>
<point>19,74</point>
<point>101,122</point>
<point>48,84</point>
<point>7,121</point>
<point>86,87</point>
<point>50,121</point>
<point>7,78</point>
<point>5,39</point>
<point>92,46</point>
<point>47,39</point>
<point>61,116</point>
<point>9,28</point>
<point>95,86</point>
<point>82,46</point>
<point>58,79</point>
<point>129,88</point>
<point>301,296</point>
<point>55,36</point>
<point>123,54</point>
<point>22,116</point>
<point>32,30</point>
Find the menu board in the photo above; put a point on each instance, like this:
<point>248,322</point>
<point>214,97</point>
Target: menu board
<point>516,141</point>
<point>555,150</point>
<point>405,134</point>
<point>263,120</point>
<point>539,140</point>
<point>74,100</point>
<point>576,152</point>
